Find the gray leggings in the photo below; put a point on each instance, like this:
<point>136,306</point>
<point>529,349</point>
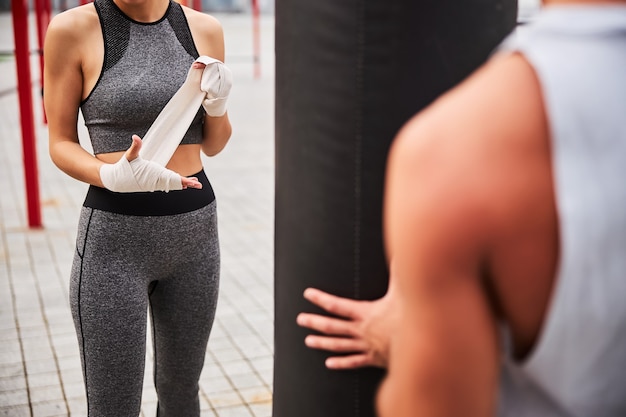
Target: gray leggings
<point>124,266</point>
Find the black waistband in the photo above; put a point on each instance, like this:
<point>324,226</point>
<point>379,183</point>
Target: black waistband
<point>158,203</point>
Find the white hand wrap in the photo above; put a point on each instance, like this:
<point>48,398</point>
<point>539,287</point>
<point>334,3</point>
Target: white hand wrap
<point>209,87</point>
<point>138,175</point>
<point>216,83</point>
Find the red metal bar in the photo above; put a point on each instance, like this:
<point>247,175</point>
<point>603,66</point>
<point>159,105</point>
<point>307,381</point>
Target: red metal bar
<point>42,12</point>
<point>197,5</point>
<point>19,10</point>
<point>256,38</point>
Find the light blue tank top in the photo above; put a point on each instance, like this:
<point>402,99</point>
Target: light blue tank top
<point>578,367</point>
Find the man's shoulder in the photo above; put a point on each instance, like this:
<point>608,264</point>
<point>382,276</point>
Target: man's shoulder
<point>470,155</point>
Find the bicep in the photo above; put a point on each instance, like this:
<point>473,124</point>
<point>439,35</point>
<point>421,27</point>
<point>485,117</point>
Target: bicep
<point>443,357</point>
<point>453,188</point>
<point>63,84</point>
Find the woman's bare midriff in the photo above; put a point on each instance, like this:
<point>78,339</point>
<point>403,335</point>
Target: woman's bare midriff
<point>185,161</point>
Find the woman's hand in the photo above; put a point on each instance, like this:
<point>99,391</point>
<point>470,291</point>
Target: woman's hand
<point>135,174</point>
<point>216,82</point>
<point>133,153</point>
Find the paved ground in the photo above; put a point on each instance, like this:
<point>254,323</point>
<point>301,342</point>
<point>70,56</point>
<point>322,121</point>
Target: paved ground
<point>39,363</point>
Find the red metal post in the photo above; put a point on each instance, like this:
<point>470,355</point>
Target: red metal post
<point>19,10</point>
<point>42,12</point>
<point>256,38</point>
<point>197,5</point>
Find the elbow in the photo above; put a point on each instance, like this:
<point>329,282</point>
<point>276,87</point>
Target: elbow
<point>54,155</point>
<point>217,143</point>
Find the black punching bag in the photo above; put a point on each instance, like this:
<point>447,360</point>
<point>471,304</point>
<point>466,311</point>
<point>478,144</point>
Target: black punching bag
<point>349,74</point>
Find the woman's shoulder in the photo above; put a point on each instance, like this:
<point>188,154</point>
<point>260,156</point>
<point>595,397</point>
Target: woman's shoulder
<point>75,22</point>
<point>203,22</point>
<point>207,32</point>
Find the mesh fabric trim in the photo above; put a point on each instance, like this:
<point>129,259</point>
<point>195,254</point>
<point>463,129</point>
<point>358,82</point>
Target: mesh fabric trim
<point>115,30</point>
<point>179,24</point>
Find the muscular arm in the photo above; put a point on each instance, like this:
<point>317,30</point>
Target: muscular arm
<point>209,37</point>
<point>443,355</point>
<point>465,182</point>
<point>63,80</point>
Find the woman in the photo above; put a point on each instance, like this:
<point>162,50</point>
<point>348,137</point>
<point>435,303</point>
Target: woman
<point>119,62</point>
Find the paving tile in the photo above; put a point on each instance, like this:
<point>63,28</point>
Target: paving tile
<point>69,376</point>
<point>11,369</point>
<point>32,331</point>
<point>243,381</point>
<point>226,355</point>
<point>241,367</point>
<point>40,366</point>
<point>77,407</point>
<point>225,399</point>
<point>47,394</point>
<point>9,333</point>
<point>10,355</point>
<point>215,385</point>
<point>74,390</point>
<point>267,376</point>
<point>238,411</point>
<point>17,411</point>
<point>9,383</point>
<point>43,379</point>
<point>50,409</point>
<point>261,409</point>
<point>207,412</point>
<point>69,363</point>
<point>256,395</point>
<point>14,397</point>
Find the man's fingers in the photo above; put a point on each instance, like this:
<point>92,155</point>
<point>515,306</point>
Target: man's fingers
<point>349,362</point>
<point>326,325</point>
<point>335,344</point>
<point>340,306</point>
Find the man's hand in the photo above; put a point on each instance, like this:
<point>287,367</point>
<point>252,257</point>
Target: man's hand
<point>362,329</point>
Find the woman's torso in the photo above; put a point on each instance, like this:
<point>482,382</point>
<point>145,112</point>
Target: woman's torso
<point>130,70</point>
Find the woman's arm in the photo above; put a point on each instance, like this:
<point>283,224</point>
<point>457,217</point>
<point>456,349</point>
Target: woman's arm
<point>209,38</point>
<point>63,80</point>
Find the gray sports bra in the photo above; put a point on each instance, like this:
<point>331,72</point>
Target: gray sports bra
<point>144,65</point>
